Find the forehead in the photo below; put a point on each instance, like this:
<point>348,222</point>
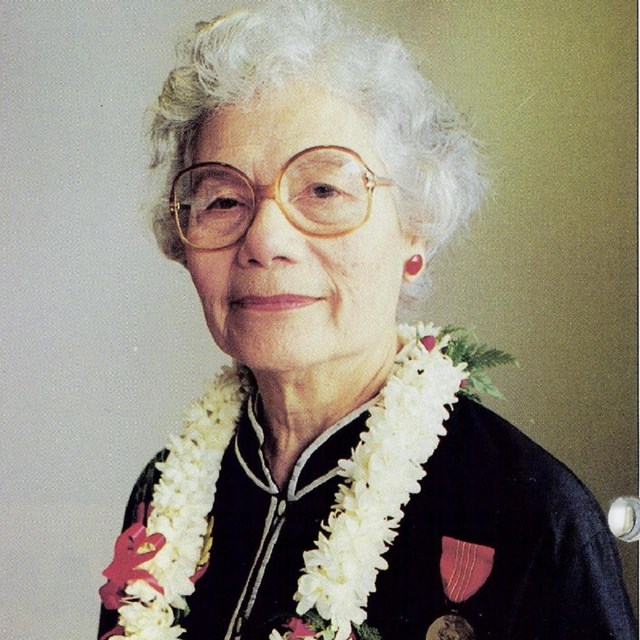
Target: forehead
<point>260,136</point>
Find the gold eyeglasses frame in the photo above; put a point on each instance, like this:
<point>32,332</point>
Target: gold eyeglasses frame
<point>370,180</point>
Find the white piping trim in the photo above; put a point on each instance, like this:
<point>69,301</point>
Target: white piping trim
<point>315,484</point>
<point>292,495</point>
<point>263,566</point>
<point>269,519</point>
<point>252,476</point>
<point>257,427</point>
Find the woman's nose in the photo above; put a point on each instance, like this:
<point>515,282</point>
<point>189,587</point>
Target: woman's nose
<point>271,238</point>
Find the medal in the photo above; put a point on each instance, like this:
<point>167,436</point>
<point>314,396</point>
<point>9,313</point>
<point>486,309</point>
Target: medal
<point>450,627</point>
<point>464,568</point>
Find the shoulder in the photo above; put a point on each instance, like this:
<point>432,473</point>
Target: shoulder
<point>501,448</point>
<point>556,562</point>
<point>489,458</point>
<point>142,492</point>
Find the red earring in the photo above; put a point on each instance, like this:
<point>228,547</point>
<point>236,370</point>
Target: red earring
<point>413,266</point>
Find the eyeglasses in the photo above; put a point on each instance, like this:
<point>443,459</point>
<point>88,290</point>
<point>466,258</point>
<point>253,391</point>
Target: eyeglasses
<point>322,191</point>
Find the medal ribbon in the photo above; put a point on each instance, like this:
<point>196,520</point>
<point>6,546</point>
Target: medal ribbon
<point>464,568</point>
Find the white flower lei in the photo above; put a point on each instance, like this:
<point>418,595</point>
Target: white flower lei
<point>340,572</point>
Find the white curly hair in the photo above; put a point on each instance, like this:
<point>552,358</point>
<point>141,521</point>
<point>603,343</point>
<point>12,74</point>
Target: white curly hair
<point>423,142</point>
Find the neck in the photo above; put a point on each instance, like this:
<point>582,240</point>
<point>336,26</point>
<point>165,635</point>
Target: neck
<point>298,406</point>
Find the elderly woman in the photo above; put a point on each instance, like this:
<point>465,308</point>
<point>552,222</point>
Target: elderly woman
<point>337,481</point>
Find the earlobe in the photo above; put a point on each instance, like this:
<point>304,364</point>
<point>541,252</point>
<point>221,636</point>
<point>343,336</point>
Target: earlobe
<point>413,266</point>
<point>416,262</point>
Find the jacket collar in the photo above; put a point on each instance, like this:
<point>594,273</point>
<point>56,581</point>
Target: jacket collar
<point>318,462</point>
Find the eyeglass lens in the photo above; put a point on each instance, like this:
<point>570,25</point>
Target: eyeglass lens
<point>322,192</point>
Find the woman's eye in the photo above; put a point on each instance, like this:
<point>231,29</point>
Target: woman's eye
<point>323,190</point>
<point>224,204</point>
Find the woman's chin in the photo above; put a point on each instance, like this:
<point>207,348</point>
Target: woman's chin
<point>284,357</point>
<point>290,348</point>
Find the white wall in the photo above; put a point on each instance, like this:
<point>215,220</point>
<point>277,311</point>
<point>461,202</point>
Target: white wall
<point>102,342</point>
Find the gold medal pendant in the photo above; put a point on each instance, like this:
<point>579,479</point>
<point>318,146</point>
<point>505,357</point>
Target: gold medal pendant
<point>450,627</point>
<point>464,568</point>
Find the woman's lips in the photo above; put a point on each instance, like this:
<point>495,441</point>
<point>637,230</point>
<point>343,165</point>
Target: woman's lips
<point>281,302</point>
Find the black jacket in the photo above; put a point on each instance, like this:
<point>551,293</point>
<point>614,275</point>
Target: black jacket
<point>556,573</point>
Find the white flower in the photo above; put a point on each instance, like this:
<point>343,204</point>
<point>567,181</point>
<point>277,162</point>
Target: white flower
<point>385,469</point>
<point>182,500</point>
<point>151,621</point>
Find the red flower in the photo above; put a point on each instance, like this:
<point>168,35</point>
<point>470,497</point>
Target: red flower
<point>116,631</point>
<point>127,557</point>
<point>298,629</point>
<point>429,342</point>
<point>199,573</point>
<point>143,511</point>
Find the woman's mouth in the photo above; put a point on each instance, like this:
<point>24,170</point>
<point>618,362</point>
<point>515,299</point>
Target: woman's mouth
<point>280,302</point>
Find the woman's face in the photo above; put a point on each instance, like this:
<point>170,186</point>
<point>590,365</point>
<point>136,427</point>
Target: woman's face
<point>280,300</point>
